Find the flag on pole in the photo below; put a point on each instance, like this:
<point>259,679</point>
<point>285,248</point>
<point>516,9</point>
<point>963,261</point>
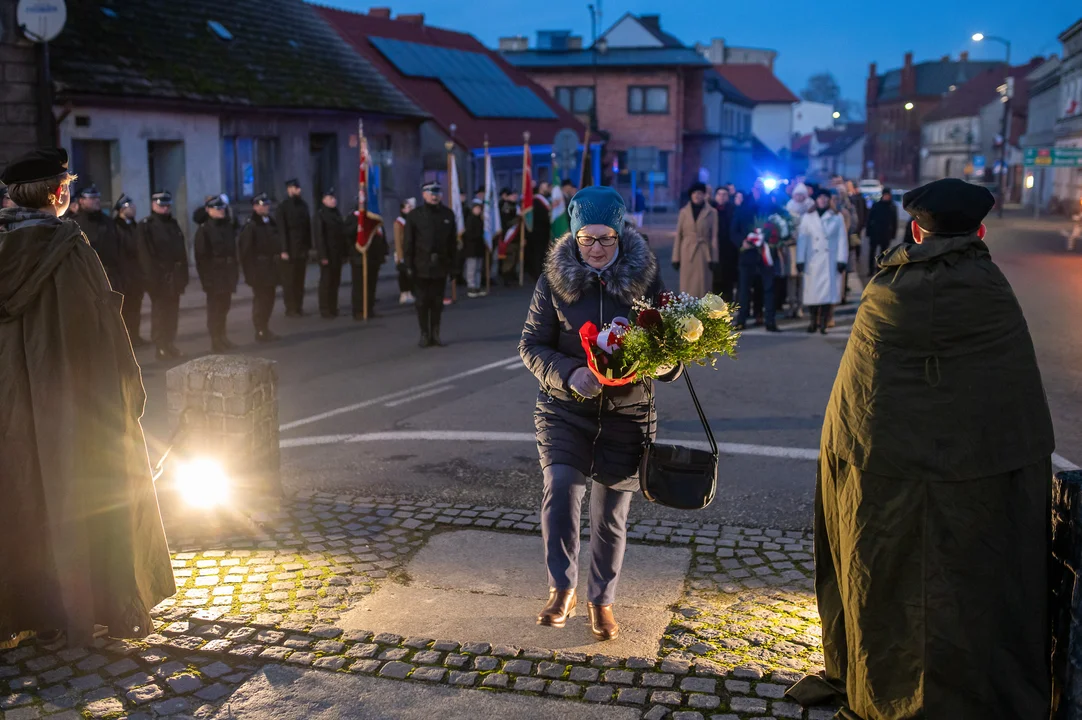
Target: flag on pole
<point>456,202</point>
<point>366,226</point>
<point>586,177</point>
<point>561,223</point>
<point>527,186</point>
<point>492,205</point>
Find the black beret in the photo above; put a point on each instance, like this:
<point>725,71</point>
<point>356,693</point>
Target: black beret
<point>697,187</point>
<point>89,192</point>
<point>293,182</point>
<point>162,197</point>
<point>329,192</point>
<point>123,201</point>
<point>261,199</point>
<point>42,164</point>
<point>949,206</point>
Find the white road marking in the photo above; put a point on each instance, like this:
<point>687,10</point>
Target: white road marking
<point>391,396</point>
<point>418,396</point>
<point>1063,463</point>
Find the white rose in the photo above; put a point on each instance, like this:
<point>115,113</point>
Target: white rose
<point>714,306</point>
<point>691,328</point>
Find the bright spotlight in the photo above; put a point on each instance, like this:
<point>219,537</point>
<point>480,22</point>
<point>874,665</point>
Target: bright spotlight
<point>909,106</point>
<point>770,184</point>
<point>977,37</point>
<point>202,482</point>
<point>837,114</point>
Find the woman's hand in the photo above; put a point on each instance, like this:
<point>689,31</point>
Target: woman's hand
<point>582,382</point>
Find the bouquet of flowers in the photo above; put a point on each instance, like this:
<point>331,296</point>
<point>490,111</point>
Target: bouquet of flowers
<point>769,232</point>
<point>681,329</point>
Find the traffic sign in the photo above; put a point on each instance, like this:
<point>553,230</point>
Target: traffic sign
<point>566,145</point>
<point>1052,157</point>
<point>978,163</point>
<point>41,20</point>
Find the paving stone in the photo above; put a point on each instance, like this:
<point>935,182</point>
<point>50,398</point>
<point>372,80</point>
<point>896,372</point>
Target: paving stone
<point>86,682</point>
<point>620,677</point>
<point>213,692</point>
<point>738,687</point>
<point>365,666</point>
<point>27,682</point>
<point>363,651</point>
<point>529,684</point>
<point>394,654</point>
<point>329,663</point>
<point>687,715</point>
<point>52,676</point>
<point>429,674</point>
<point>23,713</point>
<point>747,705</point>
<point>466,679</point>
<point>476,648</point>
<point>325,631</point>
<point>632,696</point>
<point>748,672</point>
<point>329,647</point>
<point>276,652</point>
<point>698,684</point>
<point>656,713</point>
<point>297,642</point>
<point>551,670</point>
<point>92,662</point>
<point>484,663</point>
<point>584,674</point>
<point>445,646</point>
<point>563,688</point>
<point>666,697</point>
<point>170,707</point>
<point>726,716</point>
<point>135,680</point>
<point>536,654</point>
<point>565,657</point>
<point>145,694</point>
<point>676,666</point>
<point>104,707</point>
<point>820,714</point>
<point>518,667</point>
<point>707,702</point>
<point>598,694</point>
<point>661,680</point>
<point>301,658</point>
<point>638,663</point>
<point>215,669</point>
<point>417,643</point>
<point>169,668</point>
<point>786,710</point>
<point>770,690</point>
<point>387,639</point>
<point>456,661</point>
<point>496,680</point>
<point>186,683</point>
<point>605,661</point>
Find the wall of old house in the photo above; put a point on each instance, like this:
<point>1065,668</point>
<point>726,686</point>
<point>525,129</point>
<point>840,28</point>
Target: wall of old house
<point>19,110</point>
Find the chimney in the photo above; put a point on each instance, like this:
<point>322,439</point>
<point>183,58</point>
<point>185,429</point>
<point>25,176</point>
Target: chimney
<point>412,18</point>
<point>651,21</point>
<point>518,43</point>
<point>873,86</point>
<point>964,56</point>
<point>909,77</point>
<point>871,70</point>
<point>383,13</point>
<point>945,58</point>
<point>908,59</point>
<point>574,42</point>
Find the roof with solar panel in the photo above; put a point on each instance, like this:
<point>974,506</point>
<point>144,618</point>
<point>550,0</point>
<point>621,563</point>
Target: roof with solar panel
<point>454,78</point>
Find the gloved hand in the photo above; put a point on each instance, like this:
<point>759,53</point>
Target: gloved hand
<point>676,266</point>
<point>842,267</point>
<point>664,370</point>
<point>800,267</point>
<point>713,267</point>
<point>583,383</point>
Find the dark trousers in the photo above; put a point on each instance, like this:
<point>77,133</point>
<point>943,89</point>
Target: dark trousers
<point>330,280</point>
<point>819,315</point>
<point>132,309</point>
<point>292,276</point>
<point>217,310</point>
<point>262,306</point>
<point>753,268</point>
<point>561,508</point>
<point>725,277</point>
<point>404,280</point>
<point>780,288</point>
<point>164,313</point>
<point>876,246</point>
<point>429,302</point>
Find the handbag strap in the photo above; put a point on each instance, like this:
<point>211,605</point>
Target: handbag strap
<point>698,409</point>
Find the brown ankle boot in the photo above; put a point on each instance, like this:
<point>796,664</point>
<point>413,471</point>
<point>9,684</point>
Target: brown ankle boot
<point>560,607</point>
<point>602,622</point>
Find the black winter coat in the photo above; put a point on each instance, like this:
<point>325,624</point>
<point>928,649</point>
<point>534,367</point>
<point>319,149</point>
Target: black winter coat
<point>473,240</point>
<point>330,235</point>
<point>216,256</point>
<point>431,241</point>
<point>260,250</point>
<point>602,437</point>
<point>882,221</point>
<point>295,224</point>
<point>377,241</point>
<point>163,255</point>
<point>128,237</point>
<point>101,232</point>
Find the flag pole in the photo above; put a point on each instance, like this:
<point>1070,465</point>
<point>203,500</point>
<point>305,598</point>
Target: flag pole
<point>449,145</point>
<point>488,213</point>
<point>522,225</point>
<point>585,158</point>
<point>362,211</point>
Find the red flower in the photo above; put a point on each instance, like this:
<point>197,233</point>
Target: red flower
<point>649,319</point>
<point>665,298</point>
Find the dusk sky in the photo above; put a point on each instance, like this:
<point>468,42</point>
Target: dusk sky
<point>810,37</point>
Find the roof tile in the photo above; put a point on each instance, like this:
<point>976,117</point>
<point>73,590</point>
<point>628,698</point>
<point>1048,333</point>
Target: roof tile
<point>758,82</point>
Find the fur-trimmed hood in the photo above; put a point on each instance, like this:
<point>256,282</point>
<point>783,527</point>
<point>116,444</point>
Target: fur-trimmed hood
<point>628,279</point>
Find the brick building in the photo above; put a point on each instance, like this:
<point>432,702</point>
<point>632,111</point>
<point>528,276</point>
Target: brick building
<point>21,120</point>
<point>897,102</point>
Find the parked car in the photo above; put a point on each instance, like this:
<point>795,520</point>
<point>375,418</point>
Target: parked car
<point>870,188</point>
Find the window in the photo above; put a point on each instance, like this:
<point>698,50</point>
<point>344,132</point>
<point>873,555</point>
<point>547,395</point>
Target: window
<point>648,100</point>
<point>249,166</point>
<point>576,99</point>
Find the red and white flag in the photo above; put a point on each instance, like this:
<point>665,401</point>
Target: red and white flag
<point>366,226</point>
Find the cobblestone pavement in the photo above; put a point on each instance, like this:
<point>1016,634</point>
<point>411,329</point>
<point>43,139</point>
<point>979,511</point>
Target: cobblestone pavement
<point>745,629</point>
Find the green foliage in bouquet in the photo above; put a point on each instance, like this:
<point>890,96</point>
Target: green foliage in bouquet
<point>683,329</point>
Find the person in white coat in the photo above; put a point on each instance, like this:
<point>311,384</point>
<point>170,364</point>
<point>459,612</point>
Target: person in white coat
<point>822,255</point>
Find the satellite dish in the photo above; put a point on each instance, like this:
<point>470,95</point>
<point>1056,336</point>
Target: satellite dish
<point>41,20</point>
<point>565,145</point>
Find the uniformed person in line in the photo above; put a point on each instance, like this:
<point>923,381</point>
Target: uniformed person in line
<point>260,252</point>
<point>933,495</point>
<point>294,222</point>
<point>101,232</point>
<point>134,286</point>
<point>430,244</point>
<point>216,263</point>
<point>163,257</point>
<point>331,248</point>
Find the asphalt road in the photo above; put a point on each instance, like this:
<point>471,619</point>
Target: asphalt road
<point>364,409</point>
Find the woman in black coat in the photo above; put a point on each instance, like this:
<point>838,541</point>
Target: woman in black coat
<point>593,274</point>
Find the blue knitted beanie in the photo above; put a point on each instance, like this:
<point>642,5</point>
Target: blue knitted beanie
<point>596,205</point>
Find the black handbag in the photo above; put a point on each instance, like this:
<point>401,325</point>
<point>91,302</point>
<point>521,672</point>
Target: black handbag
<point>678,476</point>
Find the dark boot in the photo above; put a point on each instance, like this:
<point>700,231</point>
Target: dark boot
<point>602,623</point>
<point>425,341</point>
<point>227,343</point>
<point>560,607</point>
<point>824,320</point>
<point>434,336</point>
<point>423,315</point>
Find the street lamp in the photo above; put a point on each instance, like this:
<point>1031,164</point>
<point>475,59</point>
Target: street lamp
<point>980,37</point>
<point>909,106</point>
<point>837,114</point>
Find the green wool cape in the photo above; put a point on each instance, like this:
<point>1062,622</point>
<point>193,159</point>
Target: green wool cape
<point>932,527</point>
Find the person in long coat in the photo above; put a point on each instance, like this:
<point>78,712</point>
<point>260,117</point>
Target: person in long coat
<point>261,248</point>
<point>332,245</point>
<point>163,259</point>
<point>587,434</point>
<point>216,262</point>
<point>881,228</point>
<point>102,234</point>
<point>933,495</point>
<point>134,284</point>
<point>81,538</point>
<point>822,256</point>
<point>695,250</point>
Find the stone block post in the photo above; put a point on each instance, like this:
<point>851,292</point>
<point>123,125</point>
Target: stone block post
<point>1066,581</point>
<point>229,405</point>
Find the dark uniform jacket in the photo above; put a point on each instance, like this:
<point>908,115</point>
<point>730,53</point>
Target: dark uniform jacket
<point>377,242</point>
<point>508,214</point>
<point>601,437</point>
<point>882,221</point>
<point>216,256</point>
<point>933,499</point>
<point>260,250</point>
<point>128,238</point>
<point>431,241</point>
<point>332,241</point>
<point>295,224</point>
<point>79,503</point>
<point>101,232</point>
<point>163,255</point>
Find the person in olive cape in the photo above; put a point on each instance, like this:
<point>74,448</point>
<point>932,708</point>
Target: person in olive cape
<point>933,496</point>
<point>216,263</point>
<point>81,539</point>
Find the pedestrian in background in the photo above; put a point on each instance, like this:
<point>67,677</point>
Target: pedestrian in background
<point>798,205</point>
<point>163,257</point>
<point>473,248</point>
<point>587,434</point>
<point>261,250</point>
<point>725,276</point>
<point>134,284</point>
<point>332,245</point>
<point>695,249</point>
<point>881,228</point>
<point>81,539</point>
<point>405,288</point>
<point>744,224</point>
<point>294,222</point>
<point>376,251</point>
<point>216,263</point>
<point>539,237</point>
<point>822,255</point>
<point>430,244</point>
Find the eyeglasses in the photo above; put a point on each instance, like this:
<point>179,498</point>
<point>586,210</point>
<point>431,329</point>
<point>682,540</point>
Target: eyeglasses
<point>588,241</point>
